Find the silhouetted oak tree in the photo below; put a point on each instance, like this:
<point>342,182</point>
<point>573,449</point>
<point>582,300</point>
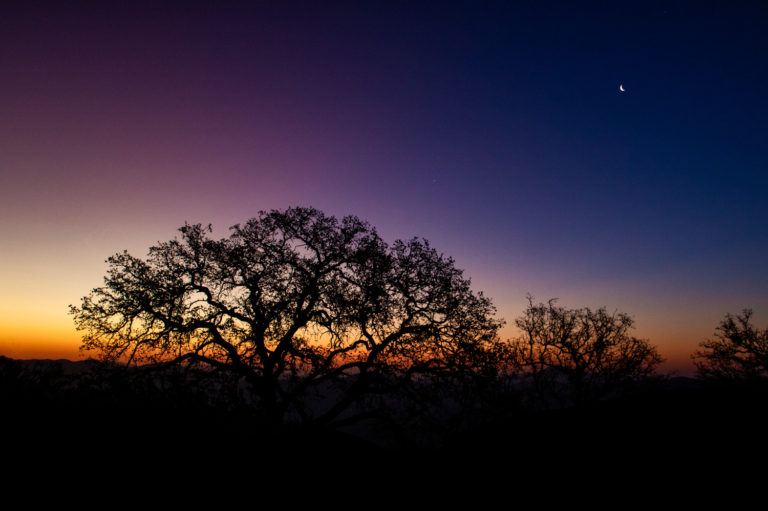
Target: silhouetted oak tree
<point>739,351</point>
<point>574,356</point>
<point>311,314</point>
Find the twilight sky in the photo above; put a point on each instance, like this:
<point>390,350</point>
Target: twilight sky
<point>496,130</point>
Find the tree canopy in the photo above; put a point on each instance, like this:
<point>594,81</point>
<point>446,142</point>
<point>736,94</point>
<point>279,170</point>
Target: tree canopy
<point>309,313</point>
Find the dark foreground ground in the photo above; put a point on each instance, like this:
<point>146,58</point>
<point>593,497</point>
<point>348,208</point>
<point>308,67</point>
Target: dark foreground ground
<point>661,435</point>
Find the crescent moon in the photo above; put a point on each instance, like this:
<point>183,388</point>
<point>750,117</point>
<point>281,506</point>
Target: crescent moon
<point>621,88</point>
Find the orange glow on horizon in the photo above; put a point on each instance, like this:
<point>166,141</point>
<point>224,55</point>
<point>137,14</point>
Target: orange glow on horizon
<point>54,342</point>
<point>50,341</point>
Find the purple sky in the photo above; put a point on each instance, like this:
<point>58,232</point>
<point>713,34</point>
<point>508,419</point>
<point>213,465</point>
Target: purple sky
<point>495,130</point>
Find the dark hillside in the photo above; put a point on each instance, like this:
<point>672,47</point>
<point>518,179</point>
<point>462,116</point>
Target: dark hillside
<point>59,413</point>
<point>686,425</point>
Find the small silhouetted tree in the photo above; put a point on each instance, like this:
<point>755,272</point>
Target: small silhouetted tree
<point>574,356</point>
<point>310,314</point>
<point>739,350</point>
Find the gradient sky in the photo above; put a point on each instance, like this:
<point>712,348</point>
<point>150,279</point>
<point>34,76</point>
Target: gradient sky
<point>496,130</point>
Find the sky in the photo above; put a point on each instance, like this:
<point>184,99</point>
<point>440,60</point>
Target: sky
<point>495,130</point>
